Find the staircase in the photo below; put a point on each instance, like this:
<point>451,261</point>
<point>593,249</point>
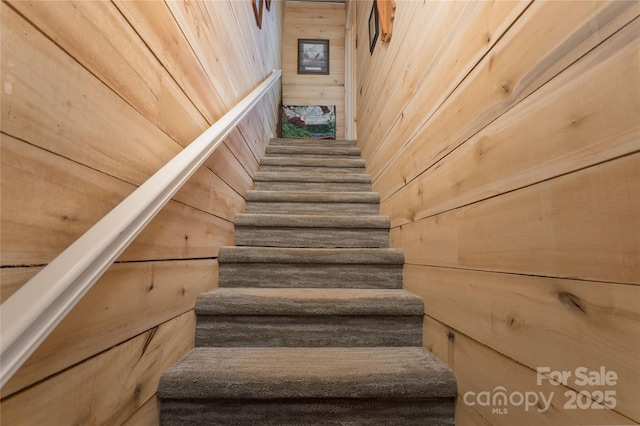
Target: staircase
<point>310,325</point>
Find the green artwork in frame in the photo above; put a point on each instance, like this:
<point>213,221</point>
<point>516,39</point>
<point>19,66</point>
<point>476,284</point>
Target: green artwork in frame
<point>309,122</point>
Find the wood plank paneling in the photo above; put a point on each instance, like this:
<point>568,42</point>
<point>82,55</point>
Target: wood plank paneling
<point>506,152</point>
<point>156,25</point>
<point>53,102</point>
<point>465,356</point>
<point>117,56</point>
<point>513,152</point>
<point>97,96</point>
<point>107,388</point>
<point>446,42</point>
<point>66,199</point>
<point>559,228</point>
<point>503,313</point>
<point>11,279</point>
<point>129,299</point>
<point>499,83</point>
<point>147,415</point>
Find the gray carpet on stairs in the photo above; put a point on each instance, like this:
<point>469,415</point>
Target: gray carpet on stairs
<point>310,325</point>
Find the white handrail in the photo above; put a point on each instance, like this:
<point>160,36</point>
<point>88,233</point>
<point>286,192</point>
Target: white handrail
<point>32,312</point>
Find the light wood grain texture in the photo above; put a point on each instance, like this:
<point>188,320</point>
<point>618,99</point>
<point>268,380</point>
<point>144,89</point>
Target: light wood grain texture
<point>193,21</point>
<point>84,121</point>
<point>129,299</point>
<point>469,30</point>
<point>104,43</point>
<point>559,228</point>
<point>11,279</point>
<point>155,24</point>
<point>514,151</point>
<point>479,369</point>
<point>147,415</point>
<point>66,199</point>
<point>503,312</point>
<point>466,415</point>
<point>97,96</point>
<point>108,388</point>
<point>499,83</point>
<point>92,126</point>
<point>229,166</point>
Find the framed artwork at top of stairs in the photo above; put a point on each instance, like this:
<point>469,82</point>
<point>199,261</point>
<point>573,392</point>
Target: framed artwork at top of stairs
<point>308,121</point>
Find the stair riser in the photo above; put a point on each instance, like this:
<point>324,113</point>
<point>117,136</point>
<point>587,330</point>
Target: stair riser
<point>328,161</point>
<point>314,155</point>
<point>311,237</point>
<point>327,330</point>
<point>312,142</point>
<point>312,169</point>
<point>346,209</point>
<point>312,186</point>
<point>344,152</point>
<point>273,275</point>
<point>309,412</point>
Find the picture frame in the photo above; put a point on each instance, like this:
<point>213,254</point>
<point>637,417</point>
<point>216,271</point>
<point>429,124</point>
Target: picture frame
<point>257,11</point>
<point>308,122</point>
<point>313,56</point>
<point>373,26</point>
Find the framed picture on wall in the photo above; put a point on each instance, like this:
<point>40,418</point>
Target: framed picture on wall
<point>308,121</point>
<point>313,56</point>
<point>373,26</point>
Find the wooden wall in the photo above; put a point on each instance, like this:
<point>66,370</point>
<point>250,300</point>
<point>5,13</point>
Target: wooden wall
<point>324,21</point>
<point>97,96</point>
<point>504,139</point>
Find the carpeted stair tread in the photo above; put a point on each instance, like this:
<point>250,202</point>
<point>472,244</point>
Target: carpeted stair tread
<point>286,373</point>
<point>312,197</point>
<point>285,255</point>
<point>311,221</point>
<point>309,324</point>
<point>312,202</point>
<point>311,181</point>
<point>311,177</point>
<point>308,301</point>
<point>341,162</point>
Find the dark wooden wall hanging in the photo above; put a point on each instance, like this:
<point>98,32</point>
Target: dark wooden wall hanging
<point>387,12</point>
<point>257,11</point>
